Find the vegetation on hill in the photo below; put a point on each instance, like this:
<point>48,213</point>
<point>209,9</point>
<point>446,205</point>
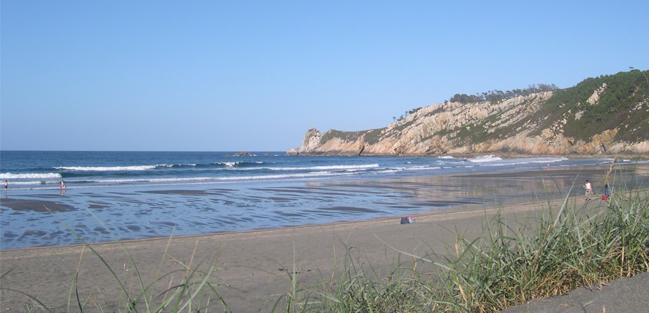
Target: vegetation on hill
<point>622,103</point>
<point>499,95</point>
<point>371,136</point>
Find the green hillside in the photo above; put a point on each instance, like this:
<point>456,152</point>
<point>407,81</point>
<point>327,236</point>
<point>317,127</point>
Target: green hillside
<point>623,104</point>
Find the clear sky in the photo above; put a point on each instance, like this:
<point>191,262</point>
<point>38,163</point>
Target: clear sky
<point>255,75</point>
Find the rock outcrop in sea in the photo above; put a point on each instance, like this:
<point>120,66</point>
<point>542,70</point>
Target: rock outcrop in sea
<point>592,118</point>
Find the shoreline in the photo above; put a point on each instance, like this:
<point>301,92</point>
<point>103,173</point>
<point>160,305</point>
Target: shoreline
<point>441,204</point>
<point>244,234</point>
<point>505,155</point>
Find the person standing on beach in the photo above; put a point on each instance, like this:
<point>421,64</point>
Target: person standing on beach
<point>607,191</point>
<point>589,190</point>
<point>6,185</point>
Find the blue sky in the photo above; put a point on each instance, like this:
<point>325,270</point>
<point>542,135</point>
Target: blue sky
<point>255,75</point>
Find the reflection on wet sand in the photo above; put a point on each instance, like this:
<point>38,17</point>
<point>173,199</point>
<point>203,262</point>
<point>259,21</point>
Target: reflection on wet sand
<point>35,205</point>
<point>471,190</point>
<point>133,213</point>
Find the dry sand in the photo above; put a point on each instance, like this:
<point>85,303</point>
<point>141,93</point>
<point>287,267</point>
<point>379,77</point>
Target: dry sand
<point>251,266</point>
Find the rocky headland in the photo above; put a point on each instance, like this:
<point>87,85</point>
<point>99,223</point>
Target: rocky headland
<point>608,115</point>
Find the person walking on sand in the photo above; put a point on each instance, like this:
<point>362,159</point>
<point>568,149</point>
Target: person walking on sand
<point>607,191</point>
<point>589,190</point>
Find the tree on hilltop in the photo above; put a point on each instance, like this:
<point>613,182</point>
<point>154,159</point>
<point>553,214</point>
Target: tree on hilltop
<point>499,95</point>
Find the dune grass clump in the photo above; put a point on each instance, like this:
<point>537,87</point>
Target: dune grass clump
<point>359,287</point>
<point>578,247</point>
<point>546,256</point>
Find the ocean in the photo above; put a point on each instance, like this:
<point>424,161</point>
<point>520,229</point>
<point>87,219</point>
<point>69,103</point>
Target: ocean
<point>133,195</point>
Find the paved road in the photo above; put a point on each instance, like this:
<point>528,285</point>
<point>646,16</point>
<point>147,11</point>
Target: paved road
<point>622,295</point>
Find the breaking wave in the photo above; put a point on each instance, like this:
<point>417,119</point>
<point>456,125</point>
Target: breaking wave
<point>328,167</point>
<point>237,164</point>
<point>29,176</point>
<point>108,168</point>
<point>484,159</point>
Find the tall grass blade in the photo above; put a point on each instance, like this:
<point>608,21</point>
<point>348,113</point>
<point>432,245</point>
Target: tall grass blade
<point>137,272</point>
<point>131,306</point>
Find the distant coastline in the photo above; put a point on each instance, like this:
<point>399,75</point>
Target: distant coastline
<point>598,117</point>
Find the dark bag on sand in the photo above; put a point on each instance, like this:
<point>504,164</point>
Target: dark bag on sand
<point>604,197</point>
<point>407,220</point>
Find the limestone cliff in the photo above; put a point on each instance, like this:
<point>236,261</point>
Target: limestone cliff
<point>309,143</point>
<point>591,118</point>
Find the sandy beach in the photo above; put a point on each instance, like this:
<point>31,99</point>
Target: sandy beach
<point>251,266</point>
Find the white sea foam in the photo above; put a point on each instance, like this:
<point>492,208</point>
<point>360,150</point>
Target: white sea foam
<point>31,182</point>
<point>329,167</point>
<point>636,161</point>
<point>29,176</point>
<point>149,180</point>
<point>228,164</point>
<point>215,179</point>
<point>172,165</point>
<point>175,180</point>
<point>403,168</point>
<point>283,176</point>
<point>447,157</point>
<point>546,160</point>
<point>422,168</point>
<point>390,170</point>
<point>484,158</point>
<point>524,161</point>
<point>231,164</point>
<point>107,168</point>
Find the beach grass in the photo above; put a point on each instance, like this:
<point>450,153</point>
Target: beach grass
<point>510,264</point>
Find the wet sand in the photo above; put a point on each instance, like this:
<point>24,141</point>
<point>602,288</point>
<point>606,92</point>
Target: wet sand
<point>35,205</point>
<point>251,266</point>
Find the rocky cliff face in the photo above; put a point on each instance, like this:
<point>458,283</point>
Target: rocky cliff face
<point>309,143</point>
<point>533,124</point>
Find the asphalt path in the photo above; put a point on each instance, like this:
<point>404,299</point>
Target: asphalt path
<point>621,295</point>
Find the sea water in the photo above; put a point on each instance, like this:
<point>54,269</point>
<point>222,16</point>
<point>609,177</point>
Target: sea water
<point>132,195</point>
